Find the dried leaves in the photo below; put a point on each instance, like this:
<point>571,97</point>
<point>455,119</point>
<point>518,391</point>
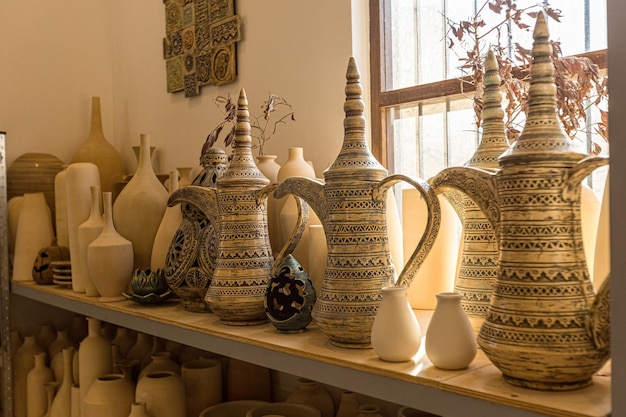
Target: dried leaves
<point>262,127</point>
<point>579,82</point>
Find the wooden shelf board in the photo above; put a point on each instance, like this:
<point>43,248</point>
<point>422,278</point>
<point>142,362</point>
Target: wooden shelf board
<point>310,354</point>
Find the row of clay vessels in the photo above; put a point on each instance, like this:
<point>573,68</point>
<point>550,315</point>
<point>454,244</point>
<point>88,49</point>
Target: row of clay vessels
<point>108,371</point>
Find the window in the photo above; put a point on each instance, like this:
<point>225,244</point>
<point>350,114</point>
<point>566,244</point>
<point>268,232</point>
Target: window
<point>421,120</point>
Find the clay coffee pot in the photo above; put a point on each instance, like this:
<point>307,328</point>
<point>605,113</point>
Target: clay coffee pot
<point>545,327</point>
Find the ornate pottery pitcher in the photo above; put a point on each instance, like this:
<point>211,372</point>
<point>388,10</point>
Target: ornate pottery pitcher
<point>351,204</point>
<point>237,209</point>
<point>479,256</point>
<point>545,328</point>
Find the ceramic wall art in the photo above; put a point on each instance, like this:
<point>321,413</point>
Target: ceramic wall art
<point>543,296</point>
<point>351,204</point>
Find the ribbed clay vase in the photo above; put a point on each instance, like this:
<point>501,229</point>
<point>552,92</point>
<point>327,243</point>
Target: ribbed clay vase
<point>23,362</point>
<point>79,179</point>
<point>110,395</point>
<point>87,233</point>
<point>203,384</point>
<point>97,150</point>
<point>110,258</point>
<point>396,334</point>
<point>94,359</point>
<point>172,218</point>
<point>36,397</point>
<point>34,232</point>
<point>314,394</point>
<point>139,208</point>
<point>163,393</point>
<point>450,339</point>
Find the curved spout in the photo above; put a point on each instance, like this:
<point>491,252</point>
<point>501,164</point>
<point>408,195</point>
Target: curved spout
<point>477,184</point>
<point>431,228</point>
<point>205,199</point>
<point>310,190</point>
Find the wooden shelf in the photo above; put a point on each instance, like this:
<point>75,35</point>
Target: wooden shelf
<point>476,391</point>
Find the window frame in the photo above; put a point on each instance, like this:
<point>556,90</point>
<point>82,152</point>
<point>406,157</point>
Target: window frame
<point>382,101</point>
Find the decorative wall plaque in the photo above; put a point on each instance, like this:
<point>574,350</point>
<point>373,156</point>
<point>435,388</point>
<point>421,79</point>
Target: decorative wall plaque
<point>199,46</point>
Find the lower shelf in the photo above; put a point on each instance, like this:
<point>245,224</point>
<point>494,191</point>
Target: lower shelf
<point>476,391</point>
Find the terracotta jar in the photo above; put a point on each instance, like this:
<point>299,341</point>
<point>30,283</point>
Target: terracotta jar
<point>110,395</point>
<point>314,394</point>
<point>163,393</point>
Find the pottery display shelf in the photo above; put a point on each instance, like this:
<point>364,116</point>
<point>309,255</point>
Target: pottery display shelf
<point>476,391</point>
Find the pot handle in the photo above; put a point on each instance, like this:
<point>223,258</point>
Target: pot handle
<point>430,230</point>
<point>298,230</point>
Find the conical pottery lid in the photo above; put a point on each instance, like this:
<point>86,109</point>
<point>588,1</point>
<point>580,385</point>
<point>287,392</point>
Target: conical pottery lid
<point>543,137</point>
<point>355,161</point>
<point>242,171</point>
<point>493,142</point>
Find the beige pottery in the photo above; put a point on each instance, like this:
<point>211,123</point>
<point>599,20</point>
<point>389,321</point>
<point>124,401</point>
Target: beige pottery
<point>269,167</point>
<point>34,232</point>
<point>171,221</point>
<point>231,408</point>
<point>163,393</point>
<point>94,359</point>
<point>203,384</point>
<point>87,233</point>
<point>110,395</point>
<point>139,208</point>
<point>284,409</point>
<point>110,258</point>
<point>396,334</point>
<point>60,209</point>
<point>348,404</point>
<point>160,361</point>
<point>450,339</point>
<point>369,410</point>
<point>138,409</point>
<point>313,394</point>
<point>78,181</point>
<point>97,150</point>
<point>247,381</point>
<point>62,402</point>
<point>36,397</point>
<point>23,363</point>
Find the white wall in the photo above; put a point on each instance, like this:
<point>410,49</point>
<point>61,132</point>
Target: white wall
<point>61,53</point>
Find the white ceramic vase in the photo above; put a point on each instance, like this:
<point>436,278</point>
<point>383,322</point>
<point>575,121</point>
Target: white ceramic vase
<point>163,393</point>
<point>23,362</point>
<point>296,165</point>
<point>88,231</point>
<point>139,208</point>
<point>79,179</point>
<point>34,232</point>
<point>60,211</point>
<point>171,221</point>
<point>438,271</point>
<point>450,339</point>
<point>396,334</point>
<point>36,397</point>
<point>203,384</point>
<point>269,167</point>
<point>94,359</point>
<point>110,258</point>
<point>110,395</point>
<point>602,250</point>
<point>62,402</point>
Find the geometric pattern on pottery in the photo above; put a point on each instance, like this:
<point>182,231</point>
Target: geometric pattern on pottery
<point>182,253</point>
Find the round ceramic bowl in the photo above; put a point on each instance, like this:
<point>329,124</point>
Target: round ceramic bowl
<point>237,408</point>
<point>284,409</point>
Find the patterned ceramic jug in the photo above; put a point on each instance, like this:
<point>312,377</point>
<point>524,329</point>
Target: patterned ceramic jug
<point>351,205</point>
<point>237,208</point>
<point>545,328</point>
